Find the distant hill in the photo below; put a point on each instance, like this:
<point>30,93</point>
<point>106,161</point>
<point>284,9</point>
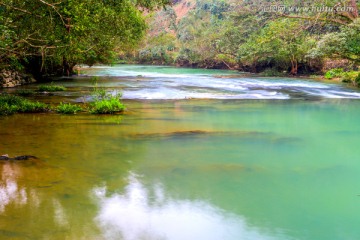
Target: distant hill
<point>233,34</point>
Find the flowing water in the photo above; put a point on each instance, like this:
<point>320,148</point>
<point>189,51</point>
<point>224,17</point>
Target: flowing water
<point>199,154</point>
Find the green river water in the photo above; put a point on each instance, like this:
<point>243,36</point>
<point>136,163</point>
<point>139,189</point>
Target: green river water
<point>198,154</point>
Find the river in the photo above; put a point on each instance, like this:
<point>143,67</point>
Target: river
<point>198,154</point>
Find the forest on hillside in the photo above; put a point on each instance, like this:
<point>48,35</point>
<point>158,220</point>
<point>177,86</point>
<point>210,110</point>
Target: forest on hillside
<point>291,37</point>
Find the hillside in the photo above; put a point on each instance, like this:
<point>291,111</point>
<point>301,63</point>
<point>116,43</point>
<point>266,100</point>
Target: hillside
<point>240,35</point>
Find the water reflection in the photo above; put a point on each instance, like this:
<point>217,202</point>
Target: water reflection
<point>10,192</point>
<point>32,208</point>
<point>147,213</point>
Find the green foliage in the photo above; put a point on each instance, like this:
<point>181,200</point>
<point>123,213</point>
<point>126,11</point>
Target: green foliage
<point>343,44</point>
<point>233,34</point>
<point>281,42</point>
<point>357,79</point>
<point>51,88</point>
<point>11,100</point>
<point>107,106</point>
<point>332,73</point>
<point>67,108</point>
<point>32,107</point>
<point>49,37</point>
<point>104,102</point>
<point>10,104</point>
<point>351,77</point>
<point>7,109</point>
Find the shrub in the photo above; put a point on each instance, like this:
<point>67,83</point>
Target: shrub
<point>51,88</point>
<point>357,80</point>
<point>349,77</point>
<point>67,108</point>
<point>335,72</point>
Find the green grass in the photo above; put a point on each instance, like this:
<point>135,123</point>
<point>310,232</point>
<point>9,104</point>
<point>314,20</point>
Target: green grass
<point>67,108</point>
<point>51,88</point>
<point>10,104</point>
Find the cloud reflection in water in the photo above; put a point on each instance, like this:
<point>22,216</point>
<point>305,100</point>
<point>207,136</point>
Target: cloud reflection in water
<point>140,213</point>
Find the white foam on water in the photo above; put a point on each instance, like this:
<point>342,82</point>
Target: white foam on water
<point>158,82</point>
<point>170,93</point>
<point>333,93</point>
<point>290,83</point>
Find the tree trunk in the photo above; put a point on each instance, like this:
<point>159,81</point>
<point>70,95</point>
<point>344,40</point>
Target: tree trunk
<point>294,67</point>
<point>68,68</point>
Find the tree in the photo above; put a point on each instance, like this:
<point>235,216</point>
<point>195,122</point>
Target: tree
<point>53,36</point>
<point>344,44</point>
<point>282,41</point>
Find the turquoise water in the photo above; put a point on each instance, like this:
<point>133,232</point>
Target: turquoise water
<point>175,168</point>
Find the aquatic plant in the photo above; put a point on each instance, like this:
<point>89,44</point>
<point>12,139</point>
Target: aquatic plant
<point>32,107</point>
<point>51,88</point>
<point>108,105</point>
<point>10,104</point>
<point>7,109</point>
<point>104,102</point>
<point>68,108</point>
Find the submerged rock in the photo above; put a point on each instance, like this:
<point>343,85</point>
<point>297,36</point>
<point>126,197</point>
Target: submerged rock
<point>22,157</point>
